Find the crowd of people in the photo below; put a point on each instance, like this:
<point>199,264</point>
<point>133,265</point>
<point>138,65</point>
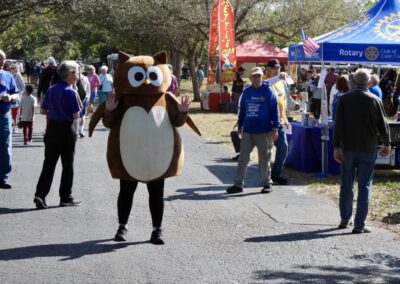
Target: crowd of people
<point>335,85</point>
<point>67,96</point>
<point>66,93</point>
<point>17,110</point>
<point>360,126</point>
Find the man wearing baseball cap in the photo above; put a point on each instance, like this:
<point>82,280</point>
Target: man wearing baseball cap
<point>258,122</point>
<point>281,92</point>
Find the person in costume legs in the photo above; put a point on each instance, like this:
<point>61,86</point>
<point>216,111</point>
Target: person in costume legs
<point>143,145</point>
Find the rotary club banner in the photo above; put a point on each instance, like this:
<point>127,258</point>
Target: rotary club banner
<point>222,51</point>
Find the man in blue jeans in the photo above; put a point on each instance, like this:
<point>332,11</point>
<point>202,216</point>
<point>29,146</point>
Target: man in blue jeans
<point>8,96</point>
<point>360,125</point>
<point>281,92</point>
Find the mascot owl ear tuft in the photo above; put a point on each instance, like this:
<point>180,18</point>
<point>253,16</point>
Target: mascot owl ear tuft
<point>122,57</point>
<point>160,58</point>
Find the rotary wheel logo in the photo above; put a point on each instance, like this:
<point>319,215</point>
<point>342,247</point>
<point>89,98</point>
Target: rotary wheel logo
<point>389,27</point>
<point>372,53</point>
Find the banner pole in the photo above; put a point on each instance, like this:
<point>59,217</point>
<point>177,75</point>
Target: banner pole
<point>324,126</point>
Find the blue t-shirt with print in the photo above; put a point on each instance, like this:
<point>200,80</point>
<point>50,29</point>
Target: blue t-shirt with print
<point>61,102</point>
<point>7,86</point>
<point>258,110</point>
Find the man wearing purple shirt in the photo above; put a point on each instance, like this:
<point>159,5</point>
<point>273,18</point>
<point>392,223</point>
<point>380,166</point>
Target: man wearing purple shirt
<point>61,107</point>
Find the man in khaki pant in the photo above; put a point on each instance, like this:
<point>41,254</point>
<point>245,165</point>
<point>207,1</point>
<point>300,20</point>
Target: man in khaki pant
<point>258,124</point>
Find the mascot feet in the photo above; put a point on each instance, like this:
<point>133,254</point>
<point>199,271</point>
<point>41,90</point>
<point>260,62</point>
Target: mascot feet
<point>120,236</point>
<point>156,237</point>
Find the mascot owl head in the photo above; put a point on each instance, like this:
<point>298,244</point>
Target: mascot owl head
<point>142,75</point>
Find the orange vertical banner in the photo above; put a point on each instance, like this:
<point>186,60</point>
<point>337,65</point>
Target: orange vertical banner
<point>222,51</point>
<point>227,49</point>
<point>213,56</point>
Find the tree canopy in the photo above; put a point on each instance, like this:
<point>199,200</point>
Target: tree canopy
<point>90,29</point>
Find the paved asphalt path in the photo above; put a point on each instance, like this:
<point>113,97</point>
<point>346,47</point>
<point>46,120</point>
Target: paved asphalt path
<point>288,236</point>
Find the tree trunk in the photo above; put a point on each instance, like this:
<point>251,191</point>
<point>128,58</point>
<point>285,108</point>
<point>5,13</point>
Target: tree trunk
<point>192,70</point>
<point>176,59</point>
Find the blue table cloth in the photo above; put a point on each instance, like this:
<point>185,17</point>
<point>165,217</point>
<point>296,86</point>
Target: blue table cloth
<point>305,150</point>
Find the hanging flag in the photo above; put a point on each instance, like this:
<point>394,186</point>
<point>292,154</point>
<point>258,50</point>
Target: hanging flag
<point>222,50</point>
<point>227,50</point>
<point>309,45</point>
<point>213,56</point>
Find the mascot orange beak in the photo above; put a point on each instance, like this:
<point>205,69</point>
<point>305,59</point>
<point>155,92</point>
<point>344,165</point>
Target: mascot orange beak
<point>146,81</point>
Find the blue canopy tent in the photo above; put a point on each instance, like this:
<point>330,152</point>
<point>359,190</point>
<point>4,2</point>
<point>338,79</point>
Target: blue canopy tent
<point>373,38</point>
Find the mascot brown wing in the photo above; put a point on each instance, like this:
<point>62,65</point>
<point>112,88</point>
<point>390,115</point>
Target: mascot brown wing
<point>189,121</point>
<point>98,114</point>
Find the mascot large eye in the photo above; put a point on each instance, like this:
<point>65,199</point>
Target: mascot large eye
<point>155,75</point>
<point>136,76</point>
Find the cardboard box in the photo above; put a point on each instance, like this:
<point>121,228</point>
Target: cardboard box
<point>388,161</point>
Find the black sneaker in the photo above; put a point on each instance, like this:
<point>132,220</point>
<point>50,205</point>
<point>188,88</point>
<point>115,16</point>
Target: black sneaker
<point>234,189</point>
<point>345,224</point>
<point>120,236</point>
<point>40,203</point>
<point>70,202</point>
<point>5,185</point>
<point>156,237</point>
<point>361,230</point>
<point>266,189</point>
<point>81,134</point>
<point>280,180</point>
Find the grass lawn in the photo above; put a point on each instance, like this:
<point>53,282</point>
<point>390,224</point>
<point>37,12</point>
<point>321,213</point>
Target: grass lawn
<point>385,202</point>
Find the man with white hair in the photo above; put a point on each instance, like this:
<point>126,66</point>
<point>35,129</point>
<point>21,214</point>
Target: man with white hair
<point>61,106</point>
<point>48,77</point>
<point>8,96</point>
<point>375,89</point>
<point>360,125</point>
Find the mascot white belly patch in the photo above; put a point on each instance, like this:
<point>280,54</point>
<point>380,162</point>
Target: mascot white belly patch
<point>146,142</point>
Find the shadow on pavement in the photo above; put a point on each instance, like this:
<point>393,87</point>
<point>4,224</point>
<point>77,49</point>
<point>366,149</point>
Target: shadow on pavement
<point>28,146</point>
<point>383,269</point>
<point>66,251</point>
<point>203,193</point>
<point>214,142</point>
<point>226,160</point>
<point>22,210</point>
<point>300,236</point>
<point>100,128</point>
<point>226,174</point>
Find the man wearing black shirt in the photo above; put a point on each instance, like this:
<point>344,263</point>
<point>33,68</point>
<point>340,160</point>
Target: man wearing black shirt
<point>360,124</point>
<point>48,77</point>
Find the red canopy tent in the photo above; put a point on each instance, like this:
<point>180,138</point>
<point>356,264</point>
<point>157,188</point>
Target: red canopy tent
<point>259,51</point>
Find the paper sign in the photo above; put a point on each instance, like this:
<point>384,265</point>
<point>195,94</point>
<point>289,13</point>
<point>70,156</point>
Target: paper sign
<point>289,80</point>
<point>289,129</point>
<point>322,78</point>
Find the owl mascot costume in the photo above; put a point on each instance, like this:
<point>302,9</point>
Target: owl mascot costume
<point>144,144</point>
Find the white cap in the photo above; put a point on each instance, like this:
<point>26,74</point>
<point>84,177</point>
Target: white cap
<point>51,60</point>
<point>257,71</point>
